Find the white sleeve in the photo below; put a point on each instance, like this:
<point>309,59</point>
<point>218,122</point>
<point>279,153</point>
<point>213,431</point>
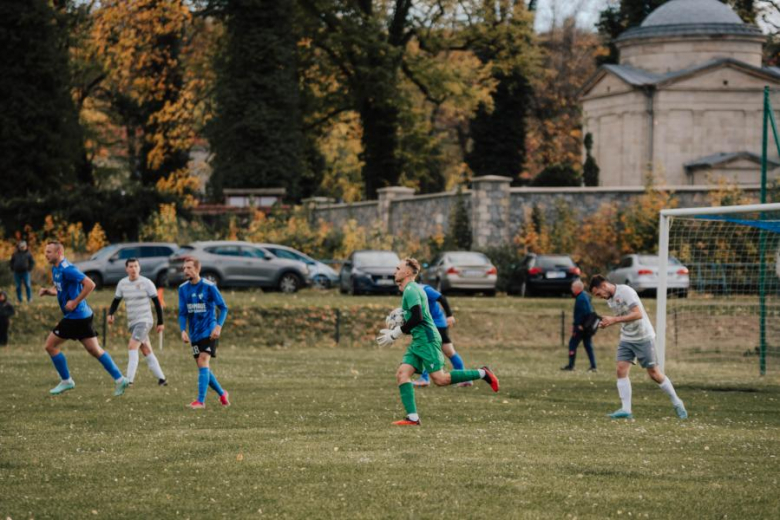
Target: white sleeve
<point>631,298</point>
<point>118,293</point>
<point>151,290</point>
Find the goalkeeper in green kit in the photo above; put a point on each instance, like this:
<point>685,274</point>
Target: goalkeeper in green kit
<point>424,353</point>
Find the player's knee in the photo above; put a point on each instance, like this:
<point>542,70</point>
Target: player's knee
<point>440,379</point>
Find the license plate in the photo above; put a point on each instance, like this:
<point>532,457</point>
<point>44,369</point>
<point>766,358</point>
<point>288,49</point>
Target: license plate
<point>472,273</point>
<point>555,274</point>
<point>385,281</point>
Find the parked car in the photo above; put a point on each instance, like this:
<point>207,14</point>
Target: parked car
<point>543,274</point>
<point>107,266</point>
<point>641,273</point>
<point>321,275</point>
<point>462,271</point>
<point>369,272</point>
<point>241,264</point>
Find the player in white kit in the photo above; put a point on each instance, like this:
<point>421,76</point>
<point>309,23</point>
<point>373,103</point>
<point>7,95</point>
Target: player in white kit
<point>137,290</point>
<point>637,341</point>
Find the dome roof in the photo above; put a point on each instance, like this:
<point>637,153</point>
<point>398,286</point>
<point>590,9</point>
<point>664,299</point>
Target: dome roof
<point>692,12</point>
<point>692,18</point>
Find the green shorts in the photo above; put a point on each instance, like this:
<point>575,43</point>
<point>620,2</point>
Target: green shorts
<point>424,356</point>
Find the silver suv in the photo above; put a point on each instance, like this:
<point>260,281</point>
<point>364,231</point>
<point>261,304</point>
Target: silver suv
<point>107,266</point>
<point>240,264</point>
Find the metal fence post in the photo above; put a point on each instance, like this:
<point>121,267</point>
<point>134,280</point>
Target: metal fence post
<point>105,326</point>
<point>337,336</point>
<point>563,328</point>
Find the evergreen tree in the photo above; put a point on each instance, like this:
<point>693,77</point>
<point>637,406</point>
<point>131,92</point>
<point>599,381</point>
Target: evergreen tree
<point>590,170</point>
<point>41,146</point>
<point>460,224</point>
<point>256,133</point>
<point>558,175</point>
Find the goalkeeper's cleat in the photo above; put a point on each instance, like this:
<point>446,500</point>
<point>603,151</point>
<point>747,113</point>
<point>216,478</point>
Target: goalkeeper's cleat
<point>407,422</point>
<point>620,414</point>
<point>120,386</point>
<point>162,382</point>
<point>224,399</point>
<point>64,386</point>
<point>465,383</point>
<point>421,382</point>
<point>491,379</point>
<point>196,405</point>
<point>682,413</point>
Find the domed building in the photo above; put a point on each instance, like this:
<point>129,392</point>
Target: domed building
<point>685,102</point>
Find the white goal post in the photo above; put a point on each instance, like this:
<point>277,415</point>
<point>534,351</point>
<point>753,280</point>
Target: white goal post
<point>729,222</point>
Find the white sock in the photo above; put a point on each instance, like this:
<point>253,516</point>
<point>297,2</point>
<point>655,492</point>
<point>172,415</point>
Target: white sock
<point>624,391</point>
<point>413,417</point>
<point>154,366</point>
<point>481,373</point>
<point>668,389</point>
<point>132,364</point>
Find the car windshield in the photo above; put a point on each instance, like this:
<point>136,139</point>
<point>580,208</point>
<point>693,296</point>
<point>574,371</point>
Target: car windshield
<point>377,259</point>
<point>104,253</point>
<point>551,262</point>
<point>652,260</point>
<point>466,258</point>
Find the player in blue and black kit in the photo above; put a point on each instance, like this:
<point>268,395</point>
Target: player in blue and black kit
<point>443,321</point>
<point>198,301</point>
<point>71,287</point>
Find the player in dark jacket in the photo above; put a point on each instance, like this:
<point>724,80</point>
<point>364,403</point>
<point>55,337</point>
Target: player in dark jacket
<point>582,308</point>
<point>22,263</point>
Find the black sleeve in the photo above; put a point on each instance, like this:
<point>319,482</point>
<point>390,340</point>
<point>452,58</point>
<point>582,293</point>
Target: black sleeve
<point>114,306</point>
<point>158,308</point>
<point>414,320</point>
<point>445,305</point>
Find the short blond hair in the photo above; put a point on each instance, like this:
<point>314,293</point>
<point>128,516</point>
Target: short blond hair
<point>413,264</point>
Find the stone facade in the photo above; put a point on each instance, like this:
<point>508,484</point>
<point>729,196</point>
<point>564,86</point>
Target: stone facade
<point>689,85</point>
<point>497,211</point>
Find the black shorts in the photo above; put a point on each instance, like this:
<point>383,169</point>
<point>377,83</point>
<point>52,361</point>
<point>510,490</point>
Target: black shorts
<point>207,345</point>
<point>445,338</point>
<point>75,329</point>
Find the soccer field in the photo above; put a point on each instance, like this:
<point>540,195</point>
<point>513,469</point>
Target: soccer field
<point>309,435</point>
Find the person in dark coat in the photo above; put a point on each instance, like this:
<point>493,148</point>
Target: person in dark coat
<point>6,311</point>
<point>582,308</point>
<point>22,263</point>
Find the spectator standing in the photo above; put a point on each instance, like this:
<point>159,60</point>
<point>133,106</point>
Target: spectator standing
<point>22,263</point>
<point>582,309</point>
<point>6,311</point>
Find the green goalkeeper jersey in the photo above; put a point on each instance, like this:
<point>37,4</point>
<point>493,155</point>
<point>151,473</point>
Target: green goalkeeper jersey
<point>425,332</point>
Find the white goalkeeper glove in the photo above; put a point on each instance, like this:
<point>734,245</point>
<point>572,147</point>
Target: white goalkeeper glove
<point>388,336</point>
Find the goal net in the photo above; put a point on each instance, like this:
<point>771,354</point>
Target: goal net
<point>719,296</point>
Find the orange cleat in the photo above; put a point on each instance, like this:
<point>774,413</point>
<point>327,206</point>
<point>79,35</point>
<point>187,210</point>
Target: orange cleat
<point>407,422</point>
<point>491,379</point>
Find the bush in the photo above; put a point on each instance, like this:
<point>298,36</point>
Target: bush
<point>506,258</point>
<point>559,175</point>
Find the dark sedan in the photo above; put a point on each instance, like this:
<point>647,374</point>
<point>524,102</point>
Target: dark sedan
<point>369,272</point>
<point>543,274</point>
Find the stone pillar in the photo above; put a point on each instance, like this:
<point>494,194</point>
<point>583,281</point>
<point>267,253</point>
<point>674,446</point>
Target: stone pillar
<point>312,204</point>
<point>490,199</point>
<point>385,198</point>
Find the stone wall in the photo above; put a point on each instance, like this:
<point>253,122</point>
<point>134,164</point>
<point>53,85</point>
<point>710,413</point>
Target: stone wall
<point>497,211</point>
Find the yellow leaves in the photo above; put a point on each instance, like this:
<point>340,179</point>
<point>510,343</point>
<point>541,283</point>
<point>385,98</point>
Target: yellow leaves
<point>96,239</point>
<point>161,226</point>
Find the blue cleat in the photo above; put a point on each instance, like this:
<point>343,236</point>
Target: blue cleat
<point>64,386</point>
<point>682,413</point>
<point>621,414</point>
<point>121,386</point>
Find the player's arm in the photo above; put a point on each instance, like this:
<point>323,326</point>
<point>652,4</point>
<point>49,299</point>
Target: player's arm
<point>445,305</point>
<point>87,287</point>
<point>158,309</point>
<point>114,306</point>
<point>415,319</point>
<point>635,314</point>
<point>183,317</point>
<point>48,291</point>
<point>223,312</point>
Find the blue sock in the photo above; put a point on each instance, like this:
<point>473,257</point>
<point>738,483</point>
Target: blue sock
<point>61,364</point>
<point>457,362</point>
<point>110,366</point>
<point>203,383</point>
<point>214,384</point>
<point>424,376</point>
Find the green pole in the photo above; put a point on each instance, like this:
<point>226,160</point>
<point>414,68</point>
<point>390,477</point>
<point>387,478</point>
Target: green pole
<point>762,235</point>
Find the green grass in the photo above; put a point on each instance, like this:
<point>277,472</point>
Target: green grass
<point>309,436</point>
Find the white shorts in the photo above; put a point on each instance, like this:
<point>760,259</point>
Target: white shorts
<point>140,332</point>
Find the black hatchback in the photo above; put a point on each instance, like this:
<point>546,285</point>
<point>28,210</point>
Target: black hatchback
<point>543,274</point>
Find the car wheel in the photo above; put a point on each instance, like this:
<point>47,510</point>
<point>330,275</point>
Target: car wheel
<point>320,282</point>
<point>162,279</point>
<point>342,289</point>
<point>97,278</point>
<point>491,293</point>
<point>683,293</point>
<point>289,283</point>
<point>212,277</point>
<point>353,290</point>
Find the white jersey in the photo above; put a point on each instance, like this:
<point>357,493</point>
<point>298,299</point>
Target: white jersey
<point>622,303</point>
<point>136,295</point>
